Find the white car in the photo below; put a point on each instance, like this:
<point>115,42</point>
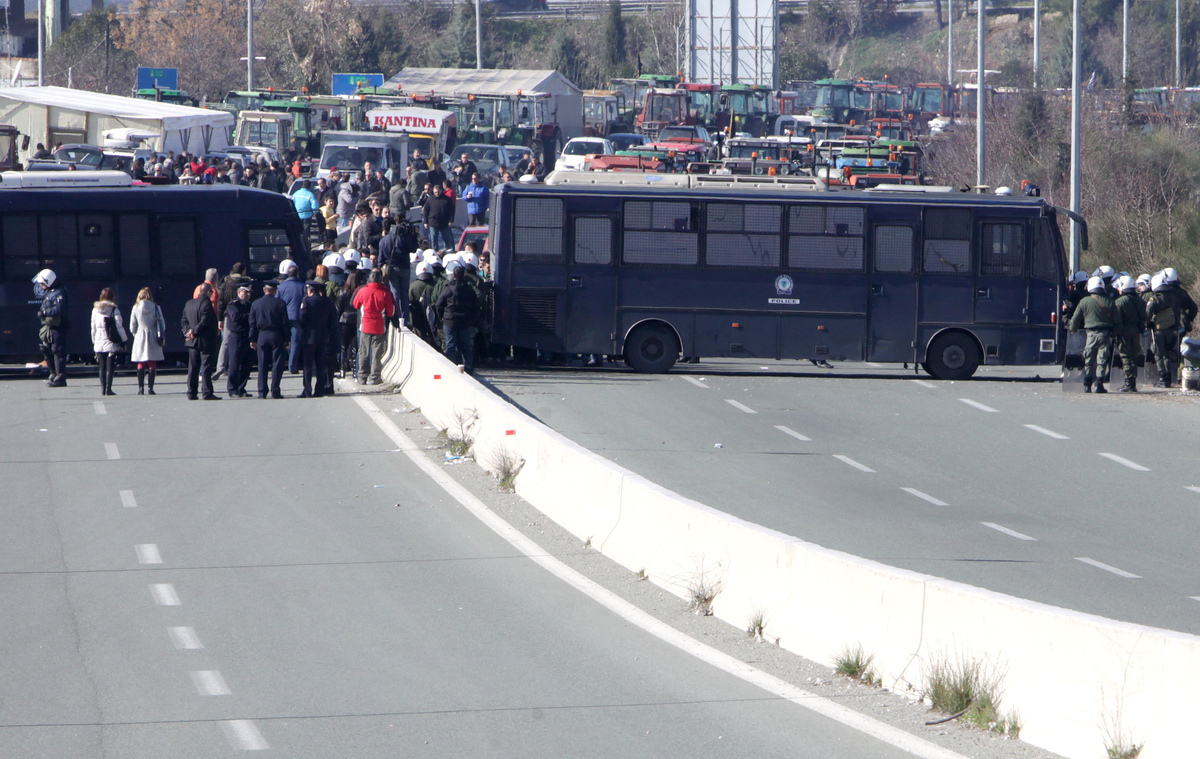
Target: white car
<point>575,152</point>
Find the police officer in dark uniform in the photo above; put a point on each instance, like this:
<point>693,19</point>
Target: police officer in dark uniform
<point>237,323</point>
<point>318,328</point>
<point>269,331</point>
<point>53,333</point>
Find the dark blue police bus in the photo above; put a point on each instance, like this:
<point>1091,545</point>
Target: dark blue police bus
<point>654,267</point>
<point>129,237</point>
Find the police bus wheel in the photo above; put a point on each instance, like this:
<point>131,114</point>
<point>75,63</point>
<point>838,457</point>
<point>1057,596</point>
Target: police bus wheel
<point>952,356</point>
<point>652,349</point>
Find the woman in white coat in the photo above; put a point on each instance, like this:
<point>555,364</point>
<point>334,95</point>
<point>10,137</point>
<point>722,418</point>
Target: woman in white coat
<point>149,332</point>
<point>104,344</point>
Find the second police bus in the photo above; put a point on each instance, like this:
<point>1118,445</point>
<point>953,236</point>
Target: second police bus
<point>654,267</point>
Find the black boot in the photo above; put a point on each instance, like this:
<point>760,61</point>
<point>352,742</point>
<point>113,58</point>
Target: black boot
<point>141,381</point>
<point>1166,378</point>
<point>1087,384</point>
<point>1100,387</point>
<point>151,378</point>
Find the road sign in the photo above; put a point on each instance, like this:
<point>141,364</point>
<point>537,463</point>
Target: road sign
<point>348,84</point>
<point>157,78</point>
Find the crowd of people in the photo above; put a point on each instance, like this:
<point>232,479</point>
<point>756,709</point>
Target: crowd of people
<point>1116,308</point>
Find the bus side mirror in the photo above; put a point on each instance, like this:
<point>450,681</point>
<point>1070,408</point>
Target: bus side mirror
<point>25,142</point>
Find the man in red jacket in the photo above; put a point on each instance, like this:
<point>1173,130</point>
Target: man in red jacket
<point>374,301</point>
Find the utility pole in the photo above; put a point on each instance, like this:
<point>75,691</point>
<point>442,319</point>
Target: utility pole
<point>1076,172</point>
<point>479,36</point>
<point>1178,54</point>
<point>1125,43</point>
<point>249,44</point>
<point>980,97</point>
<point>1037,44</point>
<point>950,44</point>
<point>41,40</point>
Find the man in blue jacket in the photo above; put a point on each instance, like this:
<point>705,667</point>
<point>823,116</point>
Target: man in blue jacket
<point>477,196</point>
<point>291,292</point>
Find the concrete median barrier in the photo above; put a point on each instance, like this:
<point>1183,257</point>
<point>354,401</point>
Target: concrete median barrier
<point>1075,682</point>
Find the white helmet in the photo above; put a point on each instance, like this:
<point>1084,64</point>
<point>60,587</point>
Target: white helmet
<point>446,259</point>
<point>1079,278</point>
<point>286,264</point>
<point>430,255</point>
<point>334,259</point>
<point>1104,272</point>
<point>423,268</point>
<point>1170,276</point>
<point>1124,284</point>
<point>1095,285</point>
<point>470,259</point>
<point>452,264</point>
<point>1157,284</point>
<point>1143,279</point>
<point>350,254</point>
<point>45,278</point>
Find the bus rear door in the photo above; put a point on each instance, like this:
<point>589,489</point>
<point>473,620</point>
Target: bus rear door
<point>892,312</point>
<point>592,289</point>
<point>1001,289</point>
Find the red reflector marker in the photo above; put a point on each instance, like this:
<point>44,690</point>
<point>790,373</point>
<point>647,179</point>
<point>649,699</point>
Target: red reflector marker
<point>437,376</point>
<point>510,432</point>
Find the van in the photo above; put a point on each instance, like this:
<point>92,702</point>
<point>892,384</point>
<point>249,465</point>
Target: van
<point>350,151</point>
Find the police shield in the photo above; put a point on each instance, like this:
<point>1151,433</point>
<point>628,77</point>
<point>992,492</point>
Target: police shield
<point>1072,375</point>
<point>1149,371</point>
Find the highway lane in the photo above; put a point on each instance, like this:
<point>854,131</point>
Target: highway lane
<point>1007,485</point>
<point>196,579</point>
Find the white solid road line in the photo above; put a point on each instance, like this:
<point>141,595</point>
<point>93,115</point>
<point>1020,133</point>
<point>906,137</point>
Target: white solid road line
<point>127,499</point>
<point>1125,462</point>
<point>740,406</point>
<point>853,463</point>
<point>793,433</point>
<point>210,683</point>
<point>1108,568</point>
<point>924,383</point>
<point>924,496</point>
<point>1006,531</point>
<point>147,553</point>
<point>980,406</point>
<point>164,594</point>
<point>243,735</point>
<point>99,407</point>
<point>1194,598</point>
<point>184,638</point>
<point>111,450</point>
<point>698,382</point>
<point>1193,488</point>
<point>1046,432</point>
<point>885,733</point>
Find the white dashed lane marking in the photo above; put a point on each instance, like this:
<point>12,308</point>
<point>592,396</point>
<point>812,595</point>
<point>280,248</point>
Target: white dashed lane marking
<point>980,406</point>
<point>184,638</point>
<point>793,433</point>
<point>164,594</point>
<point>243,735</point>
<point>1125,462</point>
<point>127,499</point>
<point>853,463</point>
<point>111,450</point>
<point>1046,432</point>
<point>147,553</point>
<point>99,407</point>
<point>1193,488</point>
<point>923,383</point>
<point>1108,568</point>
<point>924,496</point>
<point>210,683</point>
<point>698,382</point>
<point>1006,531</point>
<point>740,406</point>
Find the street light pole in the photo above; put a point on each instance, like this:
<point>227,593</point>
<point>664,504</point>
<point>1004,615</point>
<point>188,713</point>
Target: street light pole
<point>479,36</point>
<point>1178,54</point>
<point>41,40</point>
<point>980,93</point>
<point>1125,42</point>
<point>950,44</point>
<point>1037,43</point>
<point>1076,171</point>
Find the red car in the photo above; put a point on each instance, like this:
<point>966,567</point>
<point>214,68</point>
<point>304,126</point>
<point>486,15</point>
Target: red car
<point>691,142</point>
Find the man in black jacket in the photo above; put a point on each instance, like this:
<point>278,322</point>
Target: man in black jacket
<point>438,215</point>
<point>270,329</point>
<point>237,327</point>
<point>458,308</point>
<point>319,326</point>
<point>199,325</point>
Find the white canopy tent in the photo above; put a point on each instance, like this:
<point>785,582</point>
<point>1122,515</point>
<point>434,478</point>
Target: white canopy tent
<point>58,114</point>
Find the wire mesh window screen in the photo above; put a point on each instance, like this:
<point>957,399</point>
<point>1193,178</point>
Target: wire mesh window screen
<point>60,247</point>
<point>177,245</point>
<point>96,259</point>
<point>537,232</point>
<point>742,250</point>
<point>947,257</point>
<point>893,249</point>
<point>21,259</point>
<point>825,252</point>
<point>662,248</point>
<point>134,231</point>
<point>1003,252</point>
<point>593,241</point>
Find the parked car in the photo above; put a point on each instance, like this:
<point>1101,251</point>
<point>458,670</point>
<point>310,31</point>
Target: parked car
<point>476,235</point>
<point>575,152</point>
<point>92,157</point>
<point>489,159</point>
<point>625,141</point>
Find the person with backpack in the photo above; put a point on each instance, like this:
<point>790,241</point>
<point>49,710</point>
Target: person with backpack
<point>458,308</point>
<point>108,337</point>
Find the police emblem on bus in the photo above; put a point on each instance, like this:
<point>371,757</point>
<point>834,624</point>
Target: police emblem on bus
<point>783,284</point>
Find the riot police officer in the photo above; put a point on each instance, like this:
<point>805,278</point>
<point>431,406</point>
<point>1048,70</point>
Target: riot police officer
<point>1096,314</point>
<point>53,333</point>
<point>1133,323</point>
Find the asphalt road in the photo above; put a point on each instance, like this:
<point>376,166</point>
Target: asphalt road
<point>1088,502</point>
<point>193,579</point>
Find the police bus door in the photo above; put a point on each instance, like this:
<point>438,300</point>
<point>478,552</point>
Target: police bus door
<point>592,288</point>
<point>892,315</point>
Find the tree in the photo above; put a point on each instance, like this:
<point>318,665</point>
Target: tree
<point>614,41</point>
<point>304,41</point>
<point>86,57</point>
<point>204,39</point>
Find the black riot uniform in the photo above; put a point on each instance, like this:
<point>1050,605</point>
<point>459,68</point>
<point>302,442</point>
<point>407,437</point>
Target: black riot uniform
<point>269,330</point>
<point>318,329</point>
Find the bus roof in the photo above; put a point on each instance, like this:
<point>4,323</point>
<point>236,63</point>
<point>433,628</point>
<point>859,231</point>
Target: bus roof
<point>13,180</point>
